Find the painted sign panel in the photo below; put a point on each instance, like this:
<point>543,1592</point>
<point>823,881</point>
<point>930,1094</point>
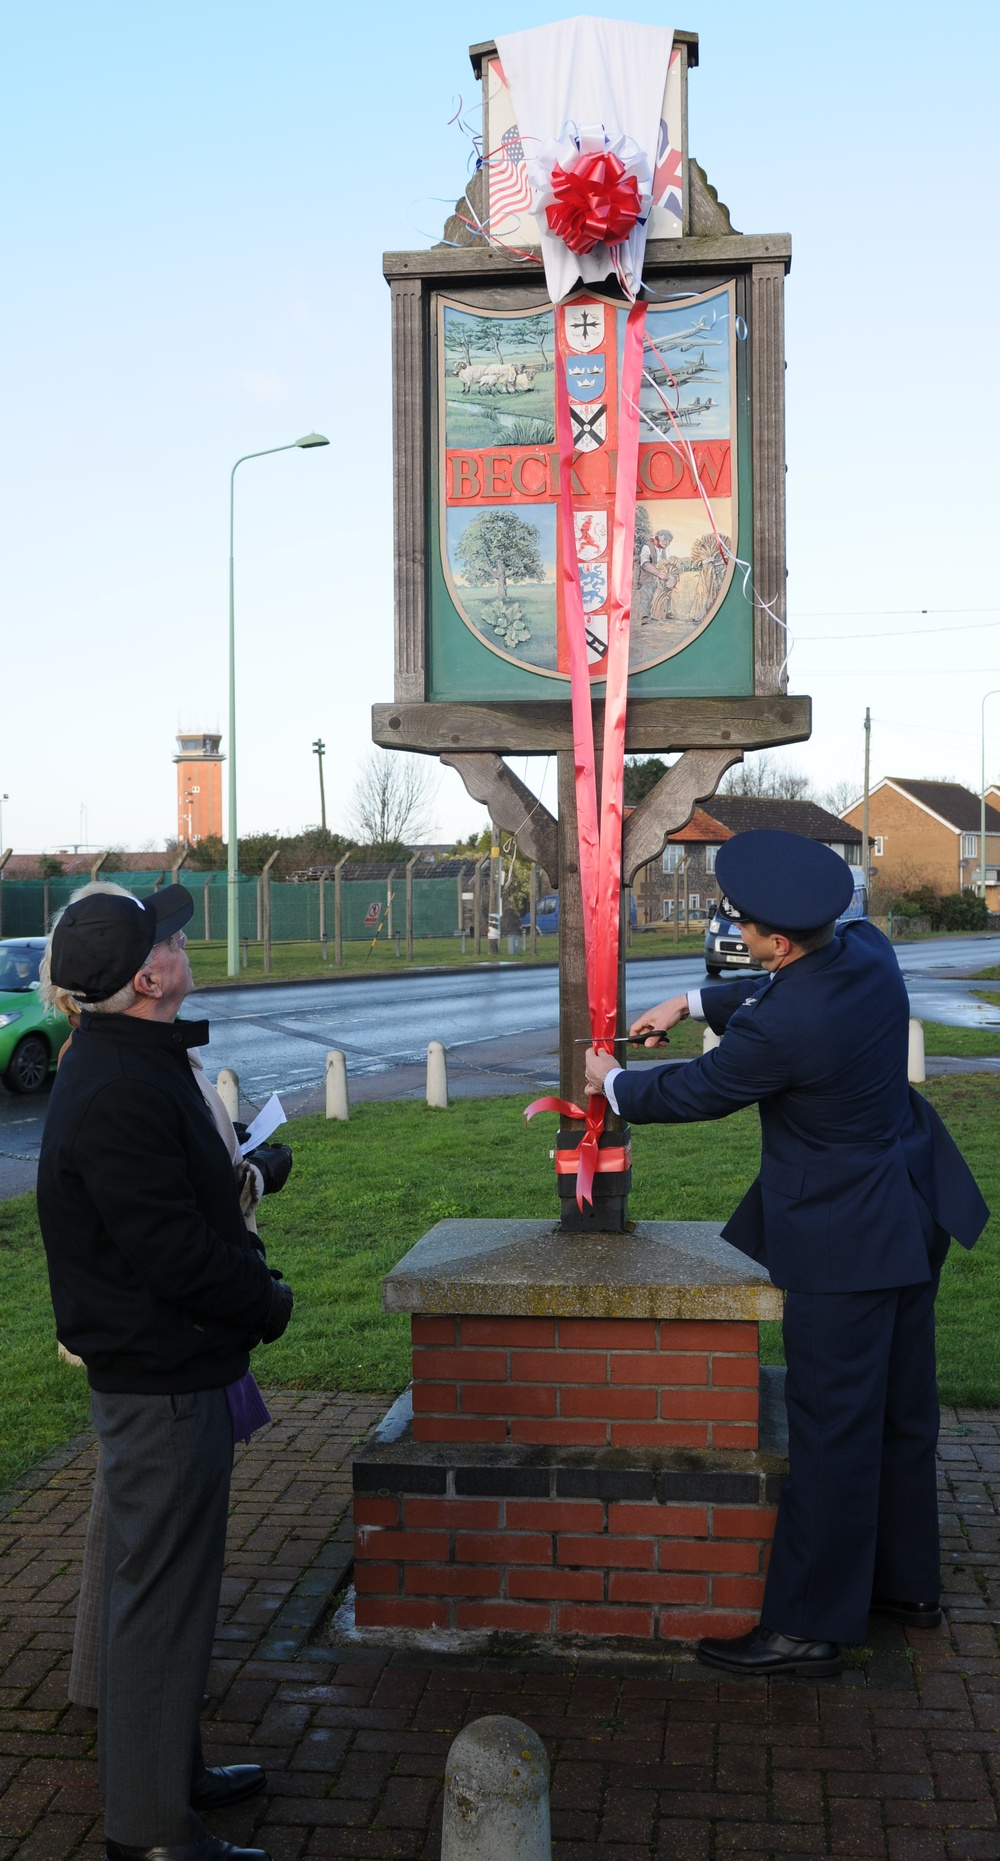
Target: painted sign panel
<point>498,475</point>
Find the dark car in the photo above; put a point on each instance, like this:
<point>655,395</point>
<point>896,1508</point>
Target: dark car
<point>724,946</point>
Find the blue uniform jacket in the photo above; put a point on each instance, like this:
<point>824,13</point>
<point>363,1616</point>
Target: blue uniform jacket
<point>822,1048</point>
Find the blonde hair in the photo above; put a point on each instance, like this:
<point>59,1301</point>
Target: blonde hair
<point>62,1000</point>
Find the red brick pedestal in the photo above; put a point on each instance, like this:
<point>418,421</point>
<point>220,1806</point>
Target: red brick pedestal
<point>569,1472</point>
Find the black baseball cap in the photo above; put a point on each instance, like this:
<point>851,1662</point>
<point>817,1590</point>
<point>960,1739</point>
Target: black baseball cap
<point>102,940</point>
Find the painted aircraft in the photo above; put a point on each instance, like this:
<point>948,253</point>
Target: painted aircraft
<point>692,410</point>
<point>696,333</point>
<point>685,371</point>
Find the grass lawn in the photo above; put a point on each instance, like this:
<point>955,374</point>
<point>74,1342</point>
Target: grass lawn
<point>362,1193</point>
<point>303,962</point>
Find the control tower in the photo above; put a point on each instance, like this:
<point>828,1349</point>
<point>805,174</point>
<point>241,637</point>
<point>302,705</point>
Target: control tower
<point>199,785</point>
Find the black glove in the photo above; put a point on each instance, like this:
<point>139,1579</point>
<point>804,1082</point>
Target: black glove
<point>278,1313</point>
<point>242,1131</point>
<point>274,1161</point>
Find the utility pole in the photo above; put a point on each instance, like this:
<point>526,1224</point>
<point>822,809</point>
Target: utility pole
<point>318,748</point>
<point>865,854</point>
<point>494,894</point>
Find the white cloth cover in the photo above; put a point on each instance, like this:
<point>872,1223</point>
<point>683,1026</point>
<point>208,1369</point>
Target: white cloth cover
<point>586,73</point>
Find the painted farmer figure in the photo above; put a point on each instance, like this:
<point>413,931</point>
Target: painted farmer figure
<point>860,1187</point>
<point>659,573</point>
<point>159,1287</point>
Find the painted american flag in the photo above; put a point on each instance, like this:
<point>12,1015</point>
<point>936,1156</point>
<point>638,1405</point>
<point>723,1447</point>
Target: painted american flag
<point>510,190</point>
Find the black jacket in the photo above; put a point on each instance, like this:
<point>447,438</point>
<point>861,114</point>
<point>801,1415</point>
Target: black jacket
<point>155,1280</point>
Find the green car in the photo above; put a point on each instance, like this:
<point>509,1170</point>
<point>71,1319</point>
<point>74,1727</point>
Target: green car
<point>30,1034</point>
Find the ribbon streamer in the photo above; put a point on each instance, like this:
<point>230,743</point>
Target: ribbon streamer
<point>600,838</point>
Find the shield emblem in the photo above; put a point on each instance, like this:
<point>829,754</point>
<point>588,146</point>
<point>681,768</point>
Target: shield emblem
<point>584,326</point>
<point>585,377</point>
<point>590,427</point>
<point>593,585</point>
<point>591,527</point>
<point>596,635</point>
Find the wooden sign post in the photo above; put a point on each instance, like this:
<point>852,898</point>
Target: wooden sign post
<point>481,664</point>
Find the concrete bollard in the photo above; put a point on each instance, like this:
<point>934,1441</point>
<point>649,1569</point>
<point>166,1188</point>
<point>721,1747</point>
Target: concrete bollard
<point>437,1076</point>
<point>338,1104</point>
<point>916,1065</point>
<point>228,1087</point>
<point>496,1794</point>
<point>710,1039</point>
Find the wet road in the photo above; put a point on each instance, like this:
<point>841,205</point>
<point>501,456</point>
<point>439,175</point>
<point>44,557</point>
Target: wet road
<point>498,1024</point>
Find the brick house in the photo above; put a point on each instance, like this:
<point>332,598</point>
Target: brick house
<point>688,859</point>
<point>927,833</point>
<point>684,871</point>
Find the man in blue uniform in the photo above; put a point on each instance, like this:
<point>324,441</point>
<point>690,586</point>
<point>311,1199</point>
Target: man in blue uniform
<point>860,1187</point>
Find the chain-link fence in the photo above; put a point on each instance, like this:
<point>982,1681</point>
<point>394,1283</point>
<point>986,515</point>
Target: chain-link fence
<point>366,899</point>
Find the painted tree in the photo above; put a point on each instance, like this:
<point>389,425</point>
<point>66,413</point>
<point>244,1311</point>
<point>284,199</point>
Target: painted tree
<point>497,548</point>
<point>461,337</point>
<point>492,332</point>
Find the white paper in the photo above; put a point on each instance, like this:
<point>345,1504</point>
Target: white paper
<point>267,1120</point>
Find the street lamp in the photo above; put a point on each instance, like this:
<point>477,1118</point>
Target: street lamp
<point>3,798</point>
<point>233,886</point>
<point>982,795</point>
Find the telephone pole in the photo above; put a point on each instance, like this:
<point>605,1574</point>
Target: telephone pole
<point>865,855</point>
<point>318,748</point>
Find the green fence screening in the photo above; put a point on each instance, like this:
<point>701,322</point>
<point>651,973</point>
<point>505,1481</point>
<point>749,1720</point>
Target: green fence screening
<point>370,901</point>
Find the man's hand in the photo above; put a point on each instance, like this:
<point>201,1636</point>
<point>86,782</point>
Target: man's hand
<point>657,1020</point>
<point>599,1065</point>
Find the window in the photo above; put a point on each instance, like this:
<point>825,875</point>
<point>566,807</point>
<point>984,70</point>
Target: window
<point>672,857</point>
<point>970,846</point>
<point>694,901</point>
<point>668,907</point>
<point>710,852</point>
<point>877,846</point>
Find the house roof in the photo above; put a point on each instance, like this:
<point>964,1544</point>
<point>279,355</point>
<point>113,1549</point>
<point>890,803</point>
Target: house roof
<point>741,813</point>
<point>702,827</point>
<point>958,806</point>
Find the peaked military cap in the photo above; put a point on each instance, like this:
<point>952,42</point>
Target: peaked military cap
<point>784,880</point>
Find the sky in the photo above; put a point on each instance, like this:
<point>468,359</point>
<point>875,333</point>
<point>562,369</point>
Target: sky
<point>196,199</point>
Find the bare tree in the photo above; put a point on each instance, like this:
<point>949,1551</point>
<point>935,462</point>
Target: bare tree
<point>760,775</point>
<point>392,801</point>
<point>841,795</point>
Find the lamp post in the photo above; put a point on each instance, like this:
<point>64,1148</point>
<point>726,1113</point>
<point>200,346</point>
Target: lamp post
<point>233,886</point>
<point>318,748</point>
<point>3,798</point>
<point>982,795</point>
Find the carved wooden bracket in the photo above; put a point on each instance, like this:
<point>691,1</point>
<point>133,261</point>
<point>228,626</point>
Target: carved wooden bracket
<point>669,806</point>
<point>513,806</point>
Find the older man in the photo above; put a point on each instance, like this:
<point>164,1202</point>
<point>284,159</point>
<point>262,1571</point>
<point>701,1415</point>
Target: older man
<point>860,1187</point>
<point>157,1285</point>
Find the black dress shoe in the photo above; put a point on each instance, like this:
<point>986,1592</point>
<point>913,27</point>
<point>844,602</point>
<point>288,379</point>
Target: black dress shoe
<point>209,1848</point>
<point>764,1652</point>
<point>913,1615</point>
<point>228,1783</point>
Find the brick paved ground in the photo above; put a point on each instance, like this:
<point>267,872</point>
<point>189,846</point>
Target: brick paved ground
<point>898,1759</point>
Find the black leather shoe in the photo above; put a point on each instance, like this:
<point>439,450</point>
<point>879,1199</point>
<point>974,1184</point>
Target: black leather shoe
<point>228,1783</point>
<point>913,1615</point>
<point>209,1848</point>
<point>764,1652</point>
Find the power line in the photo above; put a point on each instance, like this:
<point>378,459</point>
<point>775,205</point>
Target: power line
<point>914,633</point>
<point>857,613</point>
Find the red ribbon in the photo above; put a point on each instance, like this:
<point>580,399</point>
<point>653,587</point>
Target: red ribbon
<point>600,842</point>
<point>595,201</point>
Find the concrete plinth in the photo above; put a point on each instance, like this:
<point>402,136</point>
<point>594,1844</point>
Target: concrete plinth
<point>583,1450</point>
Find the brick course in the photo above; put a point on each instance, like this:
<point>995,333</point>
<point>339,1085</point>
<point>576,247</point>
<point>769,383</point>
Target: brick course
<point>556,1381</point>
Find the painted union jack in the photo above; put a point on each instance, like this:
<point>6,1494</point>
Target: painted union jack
<point>510,189</point>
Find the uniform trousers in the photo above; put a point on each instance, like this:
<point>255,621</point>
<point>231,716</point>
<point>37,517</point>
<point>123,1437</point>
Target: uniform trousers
<point>858,1511</point>
<point>167,1462</point>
